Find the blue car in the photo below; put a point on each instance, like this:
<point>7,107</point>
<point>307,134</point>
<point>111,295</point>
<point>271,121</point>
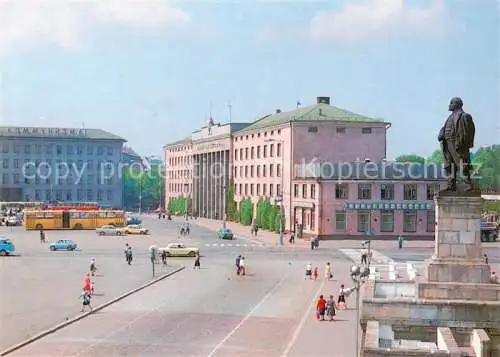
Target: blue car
<point>63,244</point>
<point>6,246</point>
<point>133,220</point>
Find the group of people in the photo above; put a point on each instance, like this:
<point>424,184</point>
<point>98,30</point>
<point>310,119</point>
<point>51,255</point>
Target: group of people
<point>88,286</point>
<point>313,274</point>
<point>240,265</point>
<point>185,229</point>
<point>328,307</point>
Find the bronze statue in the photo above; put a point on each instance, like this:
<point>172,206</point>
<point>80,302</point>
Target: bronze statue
<point>457,138</point>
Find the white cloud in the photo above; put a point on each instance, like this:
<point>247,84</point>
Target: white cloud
<point>370,19</point>
<point>68,24</point>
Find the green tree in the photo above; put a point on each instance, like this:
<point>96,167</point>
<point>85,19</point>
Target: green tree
<point>411,158</point>
<point>230,204</point>
<point>246,212</point>
<point>436,157</point>
<point>487,163</point>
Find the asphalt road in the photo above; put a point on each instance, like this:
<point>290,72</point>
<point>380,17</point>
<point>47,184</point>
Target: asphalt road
<point>212,312</point>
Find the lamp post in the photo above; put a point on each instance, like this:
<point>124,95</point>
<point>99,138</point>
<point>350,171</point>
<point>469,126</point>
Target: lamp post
<point>224,189</point>
<point>358,274</point>
<point>280,194</point>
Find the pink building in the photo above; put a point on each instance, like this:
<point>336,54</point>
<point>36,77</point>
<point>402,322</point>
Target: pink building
<point>288,154</point>
<point>355,199</point>
<point>179,169</point>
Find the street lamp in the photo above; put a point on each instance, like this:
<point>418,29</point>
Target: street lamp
<point>280,194</point>
<point>358,274</point>
<point>224,189</point>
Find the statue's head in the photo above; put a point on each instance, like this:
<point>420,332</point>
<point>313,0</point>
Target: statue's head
<point>455,103</point>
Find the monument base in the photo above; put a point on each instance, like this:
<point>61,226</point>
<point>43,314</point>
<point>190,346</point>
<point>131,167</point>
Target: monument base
<point>458,291</point>
<point>458,271</point>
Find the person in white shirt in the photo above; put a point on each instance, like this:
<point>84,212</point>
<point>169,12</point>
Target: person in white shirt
<point>308,271</point>
<point>242,266</point>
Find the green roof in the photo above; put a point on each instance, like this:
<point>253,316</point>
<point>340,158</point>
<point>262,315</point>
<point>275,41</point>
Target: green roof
<point>60,133</point>
<point>319,112</point>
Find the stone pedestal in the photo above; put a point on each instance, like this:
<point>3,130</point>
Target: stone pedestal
<point>457,254</point>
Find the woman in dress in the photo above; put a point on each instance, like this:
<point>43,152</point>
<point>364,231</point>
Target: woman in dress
<point>328,271</point>
<point>330,308</point>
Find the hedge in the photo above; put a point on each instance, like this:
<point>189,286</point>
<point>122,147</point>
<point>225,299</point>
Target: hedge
<point>268,216</point>
<point>246,212</point>
<point>178,206</point>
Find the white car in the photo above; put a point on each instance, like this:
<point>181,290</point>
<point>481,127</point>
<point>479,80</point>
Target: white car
<point>110,230</point>
<point>12,221</point>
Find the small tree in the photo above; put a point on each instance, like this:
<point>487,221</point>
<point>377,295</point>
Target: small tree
<point>230,204</point>
<point>272,218</point>
<point>246,210</point>
<point>258,213</point>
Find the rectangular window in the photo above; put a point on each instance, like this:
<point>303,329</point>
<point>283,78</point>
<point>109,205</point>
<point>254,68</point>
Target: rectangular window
<point>341,191</point>
<point>366,130</point>
<point>48,195</point>
<point>387,191</point>
<point>410,221</point>
<point>295,190</point>
<point>235,172</point>
<point>236,155</point>
<point>5,179</point>
<point>251,170</point>
<point>246,189</point>
<point>241,190</point>
<point>271,170</point>
<point>278,190</point>
<point>363,221</point>
<point>313,191</point>
<point>38,149</point>
<point>340,217</point>
<point>340,130</point>
<point>100,195</point>
<point>258,189</point>
<point>364,191</point>
<point>5,148</point>
<point>246,171</point>
<point>5,163</point>
<point>241,154</point>
<point>59,195</point>
<point>271,150</point>
<point>278,149</point>
<point>110,195</point>
<point>252,152</point>
<point>17,148</point>
<point>387,221</point>
<point>258,170</point>
<point>431,221</point>
<point>79,195</point>
<point>271,190</point>
<point>278,170</point>
<point>410,192</point>
<point>258,152</point>
<point>16,178</point>
<point>264,193</point>
<point>246,153</point>
<point>27,148</point>
<point>264,171</point>
<point>69,196</point>
<point>312,129</point>
<point>313,220</point>
<point>304,190</point>
<point>432,189</point>
<point>264,153</point>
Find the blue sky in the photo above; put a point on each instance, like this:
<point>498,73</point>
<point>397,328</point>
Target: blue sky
<point>150,70</point>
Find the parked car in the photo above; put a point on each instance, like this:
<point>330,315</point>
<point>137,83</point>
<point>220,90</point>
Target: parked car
<point>6,246</point>
<point>179,250</point>
<point>63,244</point>
<point>136,229</point>
<point>225,233</point>
<point>12,221</point>
<point>133,220</point>
<point>110,230</point>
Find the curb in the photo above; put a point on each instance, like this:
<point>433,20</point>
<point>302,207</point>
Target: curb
<point>80,317</point>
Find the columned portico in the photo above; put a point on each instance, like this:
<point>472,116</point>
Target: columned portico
<point>211,174</point>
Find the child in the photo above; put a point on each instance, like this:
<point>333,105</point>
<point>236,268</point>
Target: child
<point>308,271</point>
<point>86,296</point>
<point>315,273</point>
<point>341,300</point>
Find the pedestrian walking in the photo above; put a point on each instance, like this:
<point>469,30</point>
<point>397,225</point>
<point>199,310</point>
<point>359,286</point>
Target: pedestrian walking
<point>485,258</point>
<point>42,236</point>
<point>364,256</point>
<point>315,273</point>
<point>163,255</point>
<point>128,254</point>
<point>341,299</point>
<point>93,267</point>
<point>320,308</point>
<point>242,266</point>
<point>238,258</point>
<point>308,271</point>
<point>196,262</point>
<point>292,238</point>
<point>330,308</point>
<point>86,297</point>
<point>328,272</point>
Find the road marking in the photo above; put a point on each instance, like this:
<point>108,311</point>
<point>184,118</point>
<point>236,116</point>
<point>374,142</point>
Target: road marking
<point>237,327</point>
<point>221,244</point>
<point>229,245</point>
<point>300,326</point>
<point>214,245</point>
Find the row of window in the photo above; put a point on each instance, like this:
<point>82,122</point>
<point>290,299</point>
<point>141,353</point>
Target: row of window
<point>248,171</point>
<point>305,193</point>
<point>180,160</point>
<point>180,174</point>
<point>61,195</point>
<point>15,179</point>
<point>410,191</point>
<point>254,152</point>
<point>340,130</point>
<point>386,222</point>
<point>179,148</point>
<point>58,149</point>
<point>180,188</point>
<point>255,189</point>
<point>251,136</point>
<point>59,164</point>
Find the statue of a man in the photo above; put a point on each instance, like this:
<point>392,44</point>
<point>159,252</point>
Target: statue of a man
<point>457,138</point>
<point>210,125</point>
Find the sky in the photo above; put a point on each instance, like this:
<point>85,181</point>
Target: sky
<point>153,71</point>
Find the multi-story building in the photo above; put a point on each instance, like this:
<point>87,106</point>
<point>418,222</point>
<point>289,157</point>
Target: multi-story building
<point>353,199</point>
<point>178,169</point>
<point>47,164</point>
<point>264,156</point>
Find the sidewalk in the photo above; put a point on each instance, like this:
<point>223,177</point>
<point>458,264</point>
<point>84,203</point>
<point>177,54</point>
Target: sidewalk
<point>263,237</point>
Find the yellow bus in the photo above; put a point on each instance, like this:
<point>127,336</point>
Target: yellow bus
<point>73,219</point>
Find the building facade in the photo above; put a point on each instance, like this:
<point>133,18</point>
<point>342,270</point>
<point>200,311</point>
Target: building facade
<point>268,159</point>
<point>178,169</point>
<point>60,164</point>
<point>367,199</point>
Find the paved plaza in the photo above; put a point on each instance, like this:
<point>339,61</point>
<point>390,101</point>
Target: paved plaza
<point>209,312</point>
